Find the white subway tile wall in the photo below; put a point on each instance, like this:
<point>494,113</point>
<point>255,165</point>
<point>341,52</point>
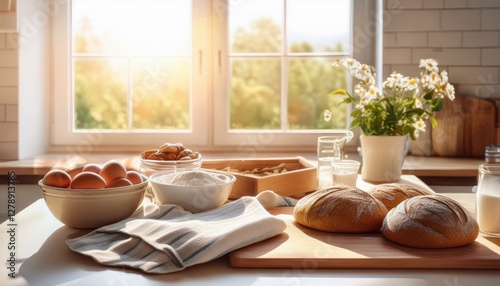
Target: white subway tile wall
<point>9,136</point>
<point>462,35</point>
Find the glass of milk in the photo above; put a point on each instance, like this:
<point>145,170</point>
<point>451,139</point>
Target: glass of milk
<point>345,172</point>
<point>488,200</point>
<point>330,148</point>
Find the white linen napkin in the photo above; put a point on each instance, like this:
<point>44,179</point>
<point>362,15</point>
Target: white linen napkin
<point>271,199</point>
<point>166,238</point>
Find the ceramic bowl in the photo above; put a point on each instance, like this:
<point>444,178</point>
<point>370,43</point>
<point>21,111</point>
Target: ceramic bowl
<point>84,208</point>
<point>196,198</point>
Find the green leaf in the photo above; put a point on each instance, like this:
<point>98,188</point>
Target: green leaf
<point>428,96</point>
<point>356,113</point>
<point>412,136</point>
<point>355,123</point>
<point>347,100</point>
<point>339,91</point>
<point>437,104</point>
<point>434,122</point>
<point>413,111</point>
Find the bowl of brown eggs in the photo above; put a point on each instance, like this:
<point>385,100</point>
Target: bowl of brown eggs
<point>93,196</point>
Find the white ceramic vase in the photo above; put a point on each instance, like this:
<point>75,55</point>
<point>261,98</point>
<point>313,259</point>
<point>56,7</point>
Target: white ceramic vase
<point>383,157</point>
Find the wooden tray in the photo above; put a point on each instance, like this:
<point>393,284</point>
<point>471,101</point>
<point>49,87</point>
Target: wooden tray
<point>302,247</point>
<point>299,179</point>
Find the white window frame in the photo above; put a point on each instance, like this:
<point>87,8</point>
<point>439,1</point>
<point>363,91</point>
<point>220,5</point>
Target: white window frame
<point>209,91</point>
<point>62,87</point>
<point>247,139</point>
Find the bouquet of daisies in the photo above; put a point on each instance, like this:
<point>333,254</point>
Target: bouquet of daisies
<point>402,105</point>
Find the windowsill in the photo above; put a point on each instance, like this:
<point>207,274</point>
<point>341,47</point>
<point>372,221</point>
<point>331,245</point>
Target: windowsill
<point>432,170</point>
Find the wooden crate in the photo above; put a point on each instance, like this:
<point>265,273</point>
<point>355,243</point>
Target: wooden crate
<point>298,180</point>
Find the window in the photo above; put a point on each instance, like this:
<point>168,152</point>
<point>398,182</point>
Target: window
<point>128,71</point>
<point>277,71</point>
<point>245,74</point>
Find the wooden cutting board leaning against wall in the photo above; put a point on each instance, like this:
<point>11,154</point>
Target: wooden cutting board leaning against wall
<point>465,127</point>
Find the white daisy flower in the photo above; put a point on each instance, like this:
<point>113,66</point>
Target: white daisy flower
<point>372,92</point>
<point>361,104</point>
<point>359,90</point>
<point>430,65</point>
<point>419,125</point>
<point>427,82</point>
<point>327,115</point>
<point>450,91</point>
<point>369,80</point>
<point>443,78</point>
<point>410,83</point>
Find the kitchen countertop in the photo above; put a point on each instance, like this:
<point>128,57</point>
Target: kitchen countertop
<point>42,258</point>
<point>413,165</point>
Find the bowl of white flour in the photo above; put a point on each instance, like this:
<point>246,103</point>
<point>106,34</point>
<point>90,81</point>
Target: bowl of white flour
<point>194,190</point>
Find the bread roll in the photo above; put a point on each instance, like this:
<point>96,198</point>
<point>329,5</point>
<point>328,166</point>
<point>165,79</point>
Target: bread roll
<point>432,221</point>
<point>340,209</point>
<point>393,194</point>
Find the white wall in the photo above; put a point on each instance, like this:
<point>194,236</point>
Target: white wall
<point>24,81</point>
<point>8,96</point>
<point>34,77</point>
<point>462,35</point>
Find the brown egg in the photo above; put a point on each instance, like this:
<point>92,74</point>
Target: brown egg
<point>57,178</point>
<point>94,168</point>
<point>120,182</point>
<point>88,180</point>
<point>75,172</point>
<point>113,170</point>
<point>134,177</point>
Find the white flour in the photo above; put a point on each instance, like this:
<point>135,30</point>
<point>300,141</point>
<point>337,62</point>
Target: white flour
<point>193,178</point>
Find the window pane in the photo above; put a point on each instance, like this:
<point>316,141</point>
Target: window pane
<point>164,28</point>
<point>93,32</point>
<point>161,94</point>
<point>150,27</point>
<point>256,26</point>
<point>100,93</point>
<point>255,94</point>
<point>309,83</point>
<point>318,25</point>
<point>154,91</point>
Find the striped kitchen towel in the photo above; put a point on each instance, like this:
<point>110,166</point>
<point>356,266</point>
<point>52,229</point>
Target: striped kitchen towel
<point>166,238</point>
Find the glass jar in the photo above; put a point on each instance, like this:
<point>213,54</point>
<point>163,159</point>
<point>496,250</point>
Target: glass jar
<point>488,200</point>
<point>492,153</point>
<point>330,149</point>
<point>345,172</point>
<point>150,167</point>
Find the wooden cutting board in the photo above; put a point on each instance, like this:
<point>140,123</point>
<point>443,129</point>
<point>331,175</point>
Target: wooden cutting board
<point>465,127</point>
<point>302,247</point>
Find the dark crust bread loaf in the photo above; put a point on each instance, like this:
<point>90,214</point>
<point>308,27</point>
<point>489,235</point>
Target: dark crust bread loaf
<point>432,221</point>
<point>393,194</point>
<point>340,209</point>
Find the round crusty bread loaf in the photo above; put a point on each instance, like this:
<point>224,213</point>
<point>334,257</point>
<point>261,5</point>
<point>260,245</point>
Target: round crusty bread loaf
<point>340,209</point>
<point>393,194</point>
<point>432,221</point>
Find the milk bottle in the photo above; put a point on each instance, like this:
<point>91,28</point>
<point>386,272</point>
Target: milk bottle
<point>488,200</point>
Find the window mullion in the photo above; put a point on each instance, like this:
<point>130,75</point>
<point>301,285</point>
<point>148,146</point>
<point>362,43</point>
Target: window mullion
<point>130,94</point>
<point>284,72</point>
